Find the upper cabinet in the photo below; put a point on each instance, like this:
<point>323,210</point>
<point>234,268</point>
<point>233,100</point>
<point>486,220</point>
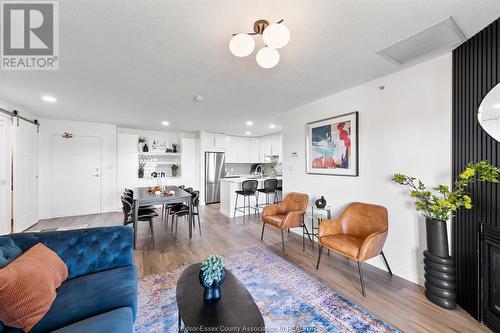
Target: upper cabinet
<point>241,149</point>
<point>271,147</point>
<point>213,141</point>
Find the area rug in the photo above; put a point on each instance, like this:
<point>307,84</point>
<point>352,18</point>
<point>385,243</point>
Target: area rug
<point>290,299</point>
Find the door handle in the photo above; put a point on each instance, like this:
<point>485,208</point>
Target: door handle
<point>96,175</point>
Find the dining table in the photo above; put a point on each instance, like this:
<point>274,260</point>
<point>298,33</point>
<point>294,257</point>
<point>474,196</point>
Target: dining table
<point>143,197</point>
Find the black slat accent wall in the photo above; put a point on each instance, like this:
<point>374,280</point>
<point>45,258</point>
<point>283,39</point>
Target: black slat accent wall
<point>476,69</point>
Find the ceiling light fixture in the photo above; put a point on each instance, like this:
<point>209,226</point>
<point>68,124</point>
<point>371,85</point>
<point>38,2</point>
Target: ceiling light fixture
<point>274,36</point>
<point>198,98</point>
<point>248,133</point>
<point>249,123</point>
<point>49,99</point>
<point>165,123</point>
<point>272,126</point>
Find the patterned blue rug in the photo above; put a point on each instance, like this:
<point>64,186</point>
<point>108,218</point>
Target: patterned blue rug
<point>290,299</point>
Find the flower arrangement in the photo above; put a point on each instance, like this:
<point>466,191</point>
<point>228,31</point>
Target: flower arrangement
<point>212,269</point>
<point>440,203</point>
<point>273,165</point>
<point>141,139</point>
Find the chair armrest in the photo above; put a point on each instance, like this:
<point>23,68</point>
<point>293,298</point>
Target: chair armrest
<point>373,245</point>
<point>85,251</point>
<point>272,210</point>
<point>329,228</point>
<point>293,219</point>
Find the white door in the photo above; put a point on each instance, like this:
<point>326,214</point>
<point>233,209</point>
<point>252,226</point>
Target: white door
<point>25,175</point>
<point>76,175</point>
<point>5,160</point>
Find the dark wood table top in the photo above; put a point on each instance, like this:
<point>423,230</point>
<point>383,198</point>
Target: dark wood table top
<point>235,311</point>
<point>150,198</point>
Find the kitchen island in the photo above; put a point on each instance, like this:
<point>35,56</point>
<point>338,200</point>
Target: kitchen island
<point>228,186</point>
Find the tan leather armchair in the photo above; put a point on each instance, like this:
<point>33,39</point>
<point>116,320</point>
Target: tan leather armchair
<point>359,234</point>
<point>288,214</point>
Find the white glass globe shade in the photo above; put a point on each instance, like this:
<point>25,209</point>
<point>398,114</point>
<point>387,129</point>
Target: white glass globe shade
<point>267,57</point>
<point>276,36</point>
<point>241,45</point>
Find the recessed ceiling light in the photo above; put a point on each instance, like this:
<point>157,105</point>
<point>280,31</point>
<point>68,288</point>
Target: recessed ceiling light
<point>249,123</point>
<point>49,99</point>
<point>198,98</point>
<point>272,126</point>
<point>497,106</point>
<point>165,123</point>
<point>248,133</point>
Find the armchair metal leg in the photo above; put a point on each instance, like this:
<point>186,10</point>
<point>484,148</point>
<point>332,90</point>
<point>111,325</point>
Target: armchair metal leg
<point>361,279</point>
<point>386,263</point>
<point>282,241</point>
<point>319,256</point>
<point>303,238</point>
<point>262,234</point>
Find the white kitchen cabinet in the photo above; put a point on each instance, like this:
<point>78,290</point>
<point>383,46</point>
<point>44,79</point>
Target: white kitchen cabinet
<point>231,150</point>
<point>276,145</point>
<point>213,141</point>
<point>265,149</point>
<point>254,150</point>
<point>128,143</point>
<point>271,146</point>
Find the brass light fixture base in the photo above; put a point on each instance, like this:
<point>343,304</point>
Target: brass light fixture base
<point>259,26</point>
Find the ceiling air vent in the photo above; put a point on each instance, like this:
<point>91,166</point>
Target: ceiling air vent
<point>438,37</point>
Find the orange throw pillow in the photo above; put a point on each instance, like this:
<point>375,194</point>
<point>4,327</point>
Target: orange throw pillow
<point>28,286</point>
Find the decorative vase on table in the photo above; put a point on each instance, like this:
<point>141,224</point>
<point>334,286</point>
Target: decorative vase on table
<point>440,281</point>
<point>212,274</point>
<point>145,148</point>
<point>140,173</point>
<point>212,292</point>
<point>321,202</point>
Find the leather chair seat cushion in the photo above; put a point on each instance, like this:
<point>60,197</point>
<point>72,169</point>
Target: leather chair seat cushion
<point>90,295</point>
<point>275,220</point>
<point>117,321</point>
<point>345,244</point>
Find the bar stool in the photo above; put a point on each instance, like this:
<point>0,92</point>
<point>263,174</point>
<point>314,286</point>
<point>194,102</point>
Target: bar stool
<point>248,189</point>
<point>270,186</point>
<point>279,192</point>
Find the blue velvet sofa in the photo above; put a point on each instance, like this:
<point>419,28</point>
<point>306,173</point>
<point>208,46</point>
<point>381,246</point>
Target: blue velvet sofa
<point>100,294</point>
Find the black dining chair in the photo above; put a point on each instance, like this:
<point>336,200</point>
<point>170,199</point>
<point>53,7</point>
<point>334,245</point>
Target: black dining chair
<point>279,192</point>
<point>270,186</point>
<point>183,210</point>
<point>248,189</point>
<point>128,216</point>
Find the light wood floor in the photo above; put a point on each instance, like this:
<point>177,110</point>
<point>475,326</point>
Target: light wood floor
<point>392,299</point>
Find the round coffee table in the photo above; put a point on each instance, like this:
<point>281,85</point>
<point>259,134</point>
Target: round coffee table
<point>235,311</point>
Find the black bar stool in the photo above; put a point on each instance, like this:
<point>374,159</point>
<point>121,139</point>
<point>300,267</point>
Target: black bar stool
<point>270,186</point>
<point>248,189</point>
<point>279,192</point>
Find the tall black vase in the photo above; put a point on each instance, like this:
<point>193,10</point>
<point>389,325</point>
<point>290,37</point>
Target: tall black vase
<point>440,281</point>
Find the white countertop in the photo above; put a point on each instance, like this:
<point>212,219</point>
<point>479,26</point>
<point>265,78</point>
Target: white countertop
<point>243,178</point>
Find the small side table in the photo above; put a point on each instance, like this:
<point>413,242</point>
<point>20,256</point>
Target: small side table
<point>318,214</point>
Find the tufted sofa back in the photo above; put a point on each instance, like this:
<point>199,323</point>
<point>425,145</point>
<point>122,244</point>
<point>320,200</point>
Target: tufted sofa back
<point>84,251</point>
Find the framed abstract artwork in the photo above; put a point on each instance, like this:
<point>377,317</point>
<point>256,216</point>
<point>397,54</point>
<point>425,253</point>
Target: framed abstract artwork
<point>332,146</point>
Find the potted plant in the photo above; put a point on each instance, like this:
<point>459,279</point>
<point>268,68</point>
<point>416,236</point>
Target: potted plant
<point>438,206</point>
<point>174,168</point>
<point>142,141</point>
<point>141,169</point>
<point>174,148</point>
<point>212,275</point>
<point>272,166</point>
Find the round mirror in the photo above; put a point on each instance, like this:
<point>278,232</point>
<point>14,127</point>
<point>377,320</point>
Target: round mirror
<point>489,113</point>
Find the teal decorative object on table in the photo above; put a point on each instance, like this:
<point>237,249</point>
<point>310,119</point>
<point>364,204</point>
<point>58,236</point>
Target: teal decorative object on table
<point>212,275</point>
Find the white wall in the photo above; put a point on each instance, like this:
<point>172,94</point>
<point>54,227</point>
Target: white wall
<point>404,128</point>
<point>106,132</point>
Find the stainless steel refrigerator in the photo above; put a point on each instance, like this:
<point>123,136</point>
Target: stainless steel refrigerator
<point>215,169</point>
